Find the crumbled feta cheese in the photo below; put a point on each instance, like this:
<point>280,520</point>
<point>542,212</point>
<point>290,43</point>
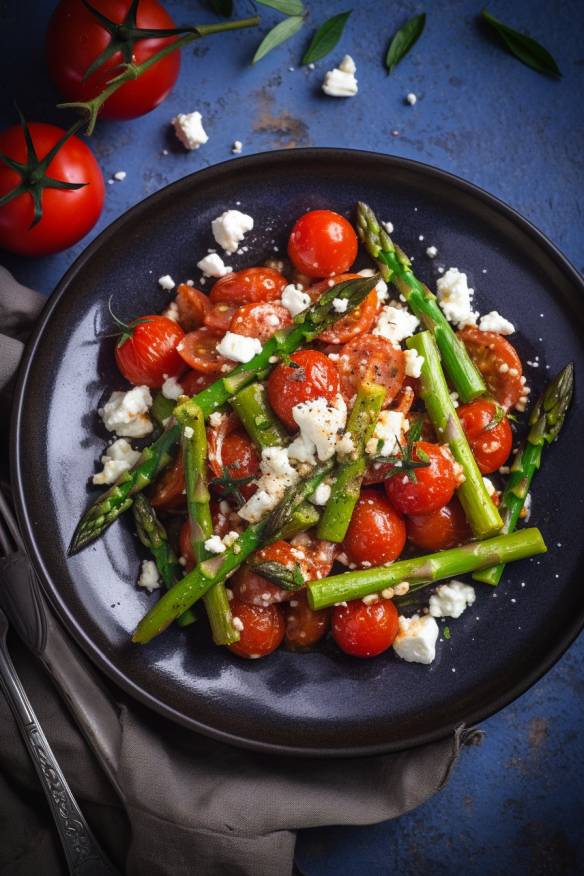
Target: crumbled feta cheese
<point>320,422</point>
<point>230,538</point>
<point>237,147</point>
<point>120,175</point>
<point>388,434</point>
<point>277,475</point>
<point>171,311</point>
<point>340,305</point>
<point>389,225</point>
<point>118,458</point>
<point>494,322</point>
<point>411,98</point>
<point>527,508</point>
<point>345,445</point>
<point>166,282</point>
<point>414,363</point>
<point>239,348</point>
<point>431,252</point>
<point>490,486</point>
<point>149,577</point>
<point>188,127</point>
<point>188,432</point>
<point>395,323</point>
<point>455,297</point>
<point>321,495</point>
<point>126,413</point>
<point>416,639</point>
<point>381,288</point>
<point>451,599</point>
<point>212,265</point>
<point>294,299</point>
<point>214,545</point>
<point>171,388</point>
<point>237,623</point>
<point>340,81</point>
<point>230,228</point>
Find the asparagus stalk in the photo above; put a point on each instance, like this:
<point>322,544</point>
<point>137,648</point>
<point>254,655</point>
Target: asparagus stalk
<point>420,571</point>
<point>307,326</point>
<point>396,266</point>
<point>482,515</point>
<point>152,534</point>
<point>252,407</point>
<point>546,421</point>
<point>194,445</point>
<point>345,490</point>
<point>196,583</point>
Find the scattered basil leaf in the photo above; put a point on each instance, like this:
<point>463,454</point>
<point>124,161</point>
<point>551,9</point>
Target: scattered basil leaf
<point>222,7</point>
<point>326,38</point>
<point>446,633</point>
<point>528,50</point>
<point>287,7</point>
<point>277,35</point>
<point>404,39</point>
<point>278,573</point>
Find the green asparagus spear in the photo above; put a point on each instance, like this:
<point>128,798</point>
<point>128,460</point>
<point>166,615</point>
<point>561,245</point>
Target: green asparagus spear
<point>546,421</point>
<point>336,516</point>
<point>420,571</point>
<point>252,407</point>
<point>307,326</point>
<point>483,517</point>
<point>152,534</point>
<point>396,266</point>
<point>194,446</point>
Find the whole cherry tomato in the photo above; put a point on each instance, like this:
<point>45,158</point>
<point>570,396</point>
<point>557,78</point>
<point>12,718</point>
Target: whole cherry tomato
<point>489,433</point>
<point>146,353</point>
<point>498,362</point>
<point>322,243</point>
<point>371,359</point>
<point>434,483</point>
<point>438,530</point>
<point>254,589</point>
<point>249,286</point>
<point>356,322</point>
<point>194,382</point>
<point>376,533</point>
<point>309,375</point>
<point>238,459</point>
<point>304,626</point>
<point>365,630</point>
<point>261,629</point>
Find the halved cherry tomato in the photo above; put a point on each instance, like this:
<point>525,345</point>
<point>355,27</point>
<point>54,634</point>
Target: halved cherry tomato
<point>193,305</point>
<point>251,285</point>
<point>194,382</point>
<point>219,317</point>
<point>357,322</point>
<point>253,588</point>
<point>304,626</point>
<point>168,492</point>
<point>489,435</point>
<point>260,320</point>
<point>365,630</point>
<point>198,350</point>
<point>434,483</point>
<point>370,358</point>
<point>186,545</point>
<point>376,533</point>
<point>312,375</point>
<point>148,355</point>
<point>441,529</point>
<point>498,362</point>
<point>322,243</point>
<point>263,629</point>
<point>320,555</point>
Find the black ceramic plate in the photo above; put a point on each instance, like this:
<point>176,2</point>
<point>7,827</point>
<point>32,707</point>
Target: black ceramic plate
<point>320,703</point>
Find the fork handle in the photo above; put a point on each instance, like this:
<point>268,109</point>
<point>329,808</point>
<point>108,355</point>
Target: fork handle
<point>82,851</point>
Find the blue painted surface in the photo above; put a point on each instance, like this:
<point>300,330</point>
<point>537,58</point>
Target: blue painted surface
<point>515,804</point>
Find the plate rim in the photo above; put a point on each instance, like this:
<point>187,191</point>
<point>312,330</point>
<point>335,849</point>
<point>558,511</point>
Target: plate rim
<point>71,624</point>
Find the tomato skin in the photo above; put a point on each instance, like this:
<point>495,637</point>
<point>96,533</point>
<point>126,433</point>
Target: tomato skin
<point>434,485</point>
<point>365,630</point>
<point>304,626</point>
<point>75,39</point>
<point>186,545</point>
<point>314,377</point>
<point>194,382</point>
<point>357,322</point>
<point>263,629</point>
<point>376,533</point>
<point>193,306</point>
<point>322,243</point>
<point>490,352</point>
<point>168,491</point>
<point>490,446</point>
<point>67,214</point>
<point>219,317</point>
<point>249,286</point>
<point>239,457</point>
<point>370,358</point>
<point>439,530</point>
<point>260,321</point>
<point>198,350</point>
<point>150,353</point>
<point>252,588</point>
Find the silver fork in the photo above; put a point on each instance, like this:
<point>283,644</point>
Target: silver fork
<point>84,855</point>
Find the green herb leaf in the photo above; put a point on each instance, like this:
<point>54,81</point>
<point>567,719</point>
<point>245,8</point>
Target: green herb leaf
<point>404,39</point>
<point>222,7</point>
<point>277,35</point>
<point>446,633</point>
<point>497,418</point>
<point>528,50</point>
<point>326,37</point>
<point>287,7</point>
<point>278,573</point>
<point>230,486</point>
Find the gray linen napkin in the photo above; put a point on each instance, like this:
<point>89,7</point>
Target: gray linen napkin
<point>162,799</point>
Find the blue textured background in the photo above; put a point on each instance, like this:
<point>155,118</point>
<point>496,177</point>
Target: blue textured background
<point>515,804</point>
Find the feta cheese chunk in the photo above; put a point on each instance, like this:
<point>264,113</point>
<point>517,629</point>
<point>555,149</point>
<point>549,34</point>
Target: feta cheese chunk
<point>118,458</point>
<point>230,228</point>
<point>166,282</point>
<point>340,305</point>
<point>126,413</point>
<point>149,578</point>
<point>171,388</point>
<point>411,98</point>
<point>120,175</point>
<point>215,545</point>
<point>455,295</point>
<point>213,266</point>
<point>431,252</point>
<point>237,147</point>
<point>320,423</point>
<point>416,639</point>
<point>188,127</point>
<point>239,348</point>
<point>395,323</point>
<point>388,434</point>
<point>321,495</point>
<point>294,299</point>
<point>340,81</point>
<point>490,486</point>
<point>451,599</point>
<point>277,475</point>
<point>414,363</point>
<point>494,322</point>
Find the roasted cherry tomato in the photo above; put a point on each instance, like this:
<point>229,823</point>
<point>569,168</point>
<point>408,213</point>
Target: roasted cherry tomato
<point>253,588</point>
<point>249,286</point>
<point>312,375</point>
<point>219,317</point>
<point>434,483</point>
<point>262,629</point>
<point>194,382</point>
<point>168,491</point>
<point>260,320</point>
<point>320,555</point>
<point>372,359</point>
<point>489,433</point>
<point>186,546</point>
<point>239,459</point>
<point>376,533</point>
<point>322,243</point>
<point>498,362</point>
<point>198,350</point>
<point>441,529</point>
<point>76,38</point>
<point>365,630</point>
<point>193,306</point>
<point>146,353</point>
<point>304,626</point>
<point>356,322</point>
